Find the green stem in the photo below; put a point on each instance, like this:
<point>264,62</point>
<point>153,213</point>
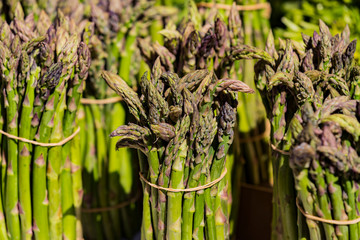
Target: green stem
<point>154,165</point>
<point>11,190</point>
<point>77,186</point>
<point>127,56</point>
<point>25,156</point>
<point>212,201</point>
<point>221,210</point>
<point>189,204</point>
<point>53,172</point>
<point>118,161</point>
<point>92,227</point>
<point>155,27</point>
<point>146,225</point>
<point>337,203</point>
<point>323,199</point>
<point>175,198</point>
<point>3,230</point>
<point>287,197</point>
<point>351,209</point>
<point>70,175</point>
<point>199,222</point>
<point>40,195</point>
<point>101,155</point>
<point>307,200</point>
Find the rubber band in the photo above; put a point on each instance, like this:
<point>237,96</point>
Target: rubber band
<point>62,142</point>
<point>210,184</point>
<point>279,151</point>
<point>319,219</point>
<point>100,101</point>
<point>258,6</point>
<point>265,134</point>
<point>117,206</point>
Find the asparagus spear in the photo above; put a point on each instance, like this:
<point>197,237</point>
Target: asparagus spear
<point>11,106</point>
<point>69,165</point>
<point>3,231</point>
<point>25,149</point>
<point>53,172</point>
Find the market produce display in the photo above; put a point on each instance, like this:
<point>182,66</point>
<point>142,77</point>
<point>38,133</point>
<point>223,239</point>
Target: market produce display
<point>43,73</point>
<point>184,127</point>
<point>129,118</point>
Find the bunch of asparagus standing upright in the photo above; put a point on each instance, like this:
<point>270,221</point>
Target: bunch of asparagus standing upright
<point>202,40</point>
<point>108,175</point>
<point>325,165</point>
<point>184,127</point>
<point>43,73</point>
<point>315,72</point>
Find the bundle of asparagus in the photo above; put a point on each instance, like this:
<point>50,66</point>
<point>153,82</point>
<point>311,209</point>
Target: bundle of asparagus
<point>184,129</point>
<point>325,165</point>
<point>200,44</point>
<point>108,175</point>
<point>320,69</point>
<point>43,72</point>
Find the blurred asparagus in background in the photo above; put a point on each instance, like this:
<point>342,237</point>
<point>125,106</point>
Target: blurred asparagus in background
<point>110,176</point>
<point>43,73</point>
<point>113,174</point>
<point>302,17</point>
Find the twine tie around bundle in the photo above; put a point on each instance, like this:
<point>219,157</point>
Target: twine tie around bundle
<point>208,185</point>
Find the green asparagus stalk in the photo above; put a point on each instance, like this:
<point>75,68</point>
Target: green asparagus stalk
<point>70,166</point>
<point>116,163</point>
<point>11,107</point>
<point>3,232</point>
<point>40,197</point>
<point>89,164</point>
<point>53,173</point>
<point>25,150</point>
<point>101,166</point>
<point>77,181</point>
